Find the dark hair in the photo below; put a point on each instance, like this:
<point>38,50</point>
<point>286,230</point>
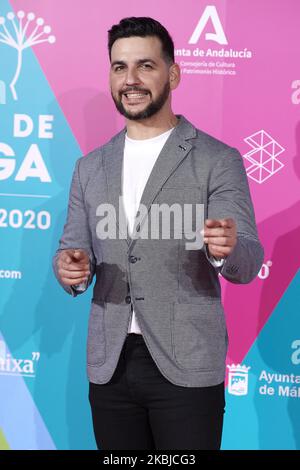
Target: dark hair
<point>142,27</point>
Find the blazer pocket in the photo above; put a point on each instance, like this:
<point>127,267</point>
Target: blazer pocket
<point>199,336</point>
<point>96,342</point>
<point>198,281</point>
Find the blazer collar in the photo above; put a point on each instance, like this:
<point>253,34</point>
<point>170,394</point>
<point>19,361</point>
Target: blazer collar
<point>172,154</point>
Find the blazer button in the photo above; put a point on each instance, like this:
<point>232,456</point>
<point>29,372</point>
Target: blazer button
<point>128,299</point>
<point>232,269</point>
<point>132,259</point>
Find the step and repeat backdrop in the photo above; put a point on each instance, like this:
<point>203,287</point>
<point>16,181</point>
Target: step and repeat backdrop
<point>240,83</point>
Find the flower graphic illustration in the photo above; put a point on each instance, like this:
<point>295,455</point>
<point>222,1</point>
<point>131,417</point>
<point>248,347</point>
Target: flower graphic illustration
<point>21,31</point>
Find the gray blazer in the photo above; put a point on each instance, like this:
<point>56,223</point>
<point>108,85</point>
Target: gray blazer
<point>175,292</point>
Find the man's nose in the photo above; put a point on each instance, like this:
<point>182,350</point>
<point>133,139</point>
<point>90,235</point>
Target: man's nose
<point>132,77</point>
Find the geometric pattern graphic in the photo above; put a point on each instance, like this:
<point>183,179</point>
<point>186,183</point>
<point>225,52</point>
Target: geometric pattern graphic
<point>262,157</point>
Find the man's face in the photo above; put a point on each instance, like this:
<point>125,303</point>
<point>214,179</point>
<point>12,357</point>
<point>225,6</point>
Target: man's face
<point>139,77</point>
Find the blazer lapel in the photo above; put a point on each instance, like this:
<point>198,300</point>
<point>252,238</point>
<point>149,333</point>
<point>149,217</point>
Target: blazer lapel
<point>172,154</point>
<point>113,168</point>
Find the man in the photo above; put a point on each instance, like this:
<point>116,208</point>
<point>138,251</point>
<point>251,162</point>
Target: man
<point>157,337</point>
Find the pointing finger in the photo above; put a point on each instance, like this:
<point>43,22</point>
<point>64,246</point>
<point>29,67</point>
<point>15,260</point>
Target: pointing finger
<point>79,254</point>
<point>229,223</point>
<point>211,223</point>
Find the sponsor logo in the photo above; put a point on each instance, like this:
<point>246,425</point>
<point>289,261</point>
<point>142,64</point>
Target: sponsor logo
<point>207,59</point>
<point>10,274</point>
<point>17,367</point>
<point>282,384</point>
<point>296,94</point>
<point>210,13</point>
<point>264,271</point>
<point>238,379</point>
<point>279,384</point>
<point>295,357</point>
<point>261,160</point>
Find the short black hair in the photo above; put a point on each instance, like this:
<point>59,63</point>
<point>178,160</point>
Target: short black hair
<point>142,26</point>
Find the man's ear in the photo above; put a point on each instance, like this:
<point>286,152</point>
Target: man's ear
<point>174,76</point>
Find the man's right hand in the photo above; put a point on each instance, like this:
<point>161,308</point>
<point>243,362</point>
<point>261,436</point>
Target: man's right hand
<point>73,267</point>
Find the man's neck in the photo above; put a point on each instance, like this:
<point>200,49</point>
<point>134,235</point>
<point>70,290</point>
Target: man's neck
<point>148,128</point>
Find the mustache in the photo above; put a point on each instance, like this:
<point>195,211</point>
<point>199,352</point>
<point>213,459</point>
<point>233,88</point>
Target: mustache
<point>134,88</point>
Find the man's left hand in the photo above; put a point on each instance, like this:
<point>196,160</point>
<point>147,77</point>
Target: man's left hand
<point>220,236</point>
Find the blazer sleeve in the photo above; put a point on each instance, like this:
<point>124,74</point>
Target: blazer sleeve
<point>229,196</point>
<point>76,232</point>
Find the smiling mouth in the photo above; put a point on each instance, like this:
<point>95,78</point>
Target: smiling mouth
<point>135,95</point>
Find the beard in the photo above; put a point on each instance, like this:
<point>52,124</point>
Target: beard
<point>152,108</point>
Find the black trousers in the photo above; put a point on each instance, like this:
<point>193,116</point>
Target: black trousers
<point>140,409</point>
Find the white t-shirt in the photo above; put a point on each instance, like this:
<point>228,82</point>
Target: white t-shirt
<point>139,159</point>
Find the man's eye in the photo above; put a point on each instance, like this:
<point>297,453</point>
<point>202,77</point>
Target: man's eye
<point>147,66</point>
<point>119,67</point>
